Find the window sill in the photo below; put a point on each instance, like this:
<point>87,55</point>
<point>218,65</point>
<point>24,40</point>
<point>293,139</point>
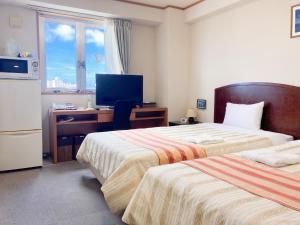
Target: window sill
<point>68,93</point>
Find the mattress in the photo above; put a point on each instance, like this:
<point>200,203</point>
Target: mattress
<point>120,165</point>
<point>179,194</point>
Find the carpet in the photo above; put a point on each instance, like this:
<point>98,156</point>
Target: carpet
<point>57,194</point>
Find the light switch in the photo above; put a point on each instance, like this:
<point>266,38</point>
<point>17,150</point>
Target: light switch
<point>15,21</point>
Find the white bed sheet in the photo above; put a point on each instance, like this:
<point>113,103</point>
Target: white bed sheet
<point>120,164</point>
<point>277,138</point>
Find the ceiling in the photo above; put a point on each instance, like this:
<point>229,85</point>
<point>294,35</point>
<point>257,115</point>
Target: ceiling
<point>164,3</point>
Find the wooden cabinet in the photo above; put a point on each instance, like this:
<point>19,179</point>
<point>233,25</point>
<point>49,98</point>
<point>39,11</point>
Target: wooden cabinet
<point>87,121</point>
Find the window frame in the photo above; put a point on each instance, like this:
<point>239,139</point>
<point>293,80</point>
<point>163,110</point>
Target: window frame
<point>80,25</point>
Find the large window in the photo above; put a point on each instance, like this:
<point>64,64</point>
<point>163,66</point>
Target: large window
<point>72,53</point>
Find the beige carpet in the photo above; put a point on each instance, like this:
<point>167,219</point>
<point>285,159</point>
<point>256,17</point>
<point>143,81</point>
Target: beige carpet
<point>62,194</point>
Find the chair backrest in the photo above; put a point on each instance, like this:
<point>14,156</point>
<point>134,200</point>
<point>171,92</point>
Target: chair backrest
<point>122,111</point>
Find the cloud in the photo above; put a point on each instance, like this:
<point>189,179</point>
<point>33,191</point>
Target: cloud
<point>69,67</point>
<point>95,36</point>
<point>64,32</point>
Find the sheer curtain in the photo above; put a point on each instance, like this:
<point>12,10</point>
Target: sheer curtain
<point>117,45</point>
<point>112,56</point>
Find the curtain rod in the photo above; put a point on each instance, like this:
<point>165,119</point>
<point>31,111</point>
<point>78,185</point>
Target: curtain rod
<point>44,11</point>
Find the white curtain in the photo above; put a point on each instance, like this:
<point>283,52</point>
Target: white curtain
<point>113,60</point>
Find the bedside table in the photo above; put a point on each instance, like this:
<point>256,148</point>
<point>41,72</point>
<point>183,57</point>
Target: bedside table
<point>177,123</point>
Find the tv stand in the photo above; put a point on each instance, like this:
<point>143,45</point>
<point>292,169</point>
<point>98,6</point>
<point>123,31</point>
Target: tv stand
<point>87,121</point>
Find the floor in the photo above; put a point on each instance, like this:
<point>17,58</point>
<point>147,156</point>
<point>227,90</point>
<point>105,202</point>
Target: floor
<point>62,194</point>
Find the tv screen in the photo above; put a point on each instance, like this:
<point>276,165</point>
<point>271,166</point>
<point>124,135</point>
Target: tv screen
<point>113,87</point>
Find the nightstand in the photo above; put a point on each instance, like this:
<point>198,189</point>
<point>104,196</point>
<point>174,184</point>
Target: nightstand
<point>177,123</point>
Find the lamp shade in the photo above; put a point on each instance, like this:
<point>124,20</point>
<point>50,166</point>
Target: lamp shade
<point>191,113</point>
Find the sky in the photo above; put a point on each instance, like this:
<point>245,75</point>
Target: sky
<point>297,20</point>
<point>298,16</point>
<point>61,59</point>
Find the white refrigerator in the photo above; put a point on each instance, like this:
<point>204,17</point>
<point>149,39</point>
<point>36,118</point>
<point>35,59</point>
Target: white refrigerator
<point>20,124</point>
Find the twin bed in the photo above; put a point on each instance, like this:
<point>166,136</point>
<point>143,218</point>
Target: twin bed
<point>172,194</point>
<point>183,194</point>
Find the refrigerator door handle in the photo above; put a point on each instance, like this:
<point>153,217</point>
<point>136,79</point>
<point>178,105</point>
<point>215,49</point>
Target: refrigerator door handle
<point>21,133</point>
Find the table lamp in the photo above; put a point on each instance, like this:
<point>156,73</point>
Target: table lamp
<point>191,114</point>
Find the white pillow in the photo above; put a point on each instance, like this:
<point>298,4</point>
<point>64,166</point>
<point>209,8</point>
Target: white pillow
<point>272,158</point>
<point>244,116</point>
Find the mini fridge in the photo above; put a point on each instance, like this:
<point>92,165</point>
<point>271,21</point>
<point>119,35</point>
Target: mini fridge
<point>20,124</point>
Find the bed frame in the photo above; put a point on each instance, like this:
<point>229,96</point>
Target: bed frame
<point>282,104</point>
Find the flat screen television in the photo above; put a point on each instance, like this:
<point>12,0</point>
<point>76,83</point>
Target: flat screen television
<point>113,87</point>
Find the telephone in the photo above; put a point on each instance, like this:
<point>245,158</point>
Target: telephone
<point>63,106</point>
<point>184,120</point>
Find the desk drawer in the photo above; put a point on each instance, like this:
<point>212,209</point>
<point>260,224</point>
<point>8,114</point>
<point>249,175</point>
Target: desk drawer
<point>105,117</point>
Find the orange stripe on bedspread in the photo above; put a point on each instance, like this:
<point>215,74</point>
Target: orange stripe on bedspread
<point>264,181</point>
<point>168,150</point>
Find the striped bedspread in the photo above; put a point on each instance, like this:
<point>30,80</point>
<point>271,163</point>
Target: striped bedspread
<point>224,190</point>
<point>120,163</point>
<point>167,150</point>
<point>261,180</point>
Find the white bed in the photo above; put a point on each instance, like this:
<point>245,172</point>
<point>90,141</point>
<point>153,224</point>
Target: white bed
<point>120,165</point>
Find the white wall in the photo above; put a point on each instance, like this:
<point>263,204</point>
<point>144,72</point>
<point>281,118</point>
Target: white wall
<point>249,43</point>
<point>143,58</point>
<point>207,8</point>
<point>98,8</point>
<point>178,54</point>
<point>172,62</point>
<point>25,36</point>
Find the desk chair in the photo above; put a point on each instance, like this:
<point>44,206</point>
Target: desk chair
<point>121,117</point>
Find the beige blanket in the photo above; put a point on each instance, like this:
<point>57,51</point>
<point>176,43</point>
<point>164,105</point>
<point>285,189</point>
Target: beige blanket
<point>179,194</point>
<point>120,165</point>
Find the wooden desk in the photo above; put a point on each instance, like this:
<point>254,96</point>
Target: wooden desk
<point>87,121</point>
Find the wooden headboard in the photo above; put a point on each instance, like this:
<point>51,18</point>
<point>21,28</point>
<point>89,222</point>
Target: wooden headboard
<point>282,104</point>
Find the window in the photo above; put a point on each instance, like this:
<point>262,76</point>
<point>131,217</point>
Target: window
<point>94,54</point>
<point>60,55</point>
<point>72,53</point>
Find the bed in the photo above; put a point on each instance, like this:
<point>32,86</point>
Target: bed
<point>182,194</point>
<point>119,163</point>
